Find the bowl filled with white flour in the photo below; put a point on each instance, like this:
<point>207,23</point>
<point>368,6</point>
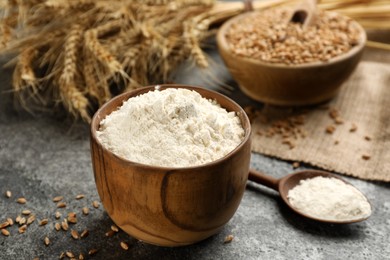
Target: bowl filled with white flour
<point>171,162</point>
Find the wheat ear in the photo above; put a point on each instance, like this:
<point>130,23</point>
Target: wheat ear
<point>72,97</point>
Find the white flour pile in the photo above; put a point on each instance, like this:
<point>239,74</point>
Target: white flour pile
<point>329,199</point>
<point>171,128</point>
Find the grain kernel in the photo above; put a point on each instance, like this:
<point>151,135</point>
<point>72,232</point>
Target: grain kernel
<point>80,196</point>
<point>92,251</point>
<point>74,234</point>
<point>22,229</point>
<point>95,204</point>
<point>64,225</point>
<point>330,129</point>
<point>69,254</point>
<point>124,245</point>
<point>296,165</point>
<point>43,222</point>
<point>110,233</point>
<point>61,205</point>
<point>58,198</point>
<point>26,212</point>
<point>57,215</point>
<point>46,241</point>
<point>21,200</point>
<point>353,128</point>
<point>8,194</point>
<point>57,226</point>
<point>10,221</point>
<point>30,219</point>
<point>85,211</point>
<point>5,232</point>
<point>22,221</point>
<point>85,233</point>
<point>4,224</point>
<point>114,228</point>
<point>72,218</point>
<point>228,239</point>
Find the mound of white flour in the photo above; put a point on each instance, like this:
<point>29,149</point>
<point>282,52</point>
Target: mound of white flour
<point>330,199</point>
<point>171,128</point>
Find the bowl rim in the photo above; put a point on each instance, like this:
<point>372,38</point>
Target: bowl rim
<point>222,44</point>
<point>98,117</point>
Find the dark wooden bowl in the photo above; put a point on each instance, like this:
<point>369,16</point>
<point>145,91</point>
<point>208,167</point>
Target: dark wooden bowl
<point>170,206</point>
<point>288,85</point>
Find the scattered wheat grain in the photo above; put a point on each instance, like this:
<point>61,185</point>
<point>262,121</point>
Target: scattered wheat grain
<point>43,222</point>
<point>4,224</point>
<point>72,218</point>
<point>353,128</point>
<point>22,221</point>
<point>330,129</point>
<point>30,219</point>
<point>58,198</point>
<point>64,225</point>
<point>124,245</point>
<point>114,228</point>
<point>69,254</point>
<point>95,204</point>
<point>5,232</point>
<point>228,239</point>
<point>8,194</point>
<point>295,165</point>
<point>61,204</point>
<point>110,233</point>
<point>10,221</point>
<point>84,234</point>
<point>22,229</point>
<point>21,200</point>
<point>85,211</point>
<point>80,196</point>
<point>57,226</point>
<point>26,212</point>
<point>75,234</point>
<point>46,241</point>
<point>92,251</point>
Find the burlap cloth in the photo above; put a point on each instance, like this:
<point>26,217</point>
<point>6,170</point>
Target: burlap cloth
<point>360,143</point>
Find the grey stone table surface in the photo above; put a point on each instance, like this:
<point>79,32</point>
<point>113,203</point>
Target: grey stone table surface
<point>45,156</point>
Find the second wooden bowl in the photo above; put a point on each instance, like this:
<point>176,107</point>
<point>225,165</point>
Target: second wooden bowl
<point>288,85</point>
<point>170,206</point>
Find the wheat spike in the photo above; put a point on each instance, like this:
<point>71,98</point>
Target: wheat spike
<point>75,101</point>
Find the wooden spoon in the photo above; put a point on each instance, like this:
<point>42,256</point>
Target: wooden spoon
<point>305,13</point>
<point>283,185</point>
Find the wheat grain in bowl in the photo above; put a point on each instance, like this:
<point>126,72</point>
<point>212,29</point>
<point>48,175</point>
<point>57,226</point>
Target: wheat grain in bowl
<point>181,204</point>
<point>269,37</point>
<point>279,62</point>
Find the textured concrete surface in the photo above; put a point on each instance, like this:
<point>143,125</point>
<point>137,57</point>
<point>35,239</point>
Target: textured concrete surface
<point>46,156</point>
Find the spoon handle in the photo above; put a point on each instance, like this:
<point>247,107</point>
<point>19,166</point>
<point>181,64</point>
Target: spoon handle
<point>263,179</point>
<point>305,13</point>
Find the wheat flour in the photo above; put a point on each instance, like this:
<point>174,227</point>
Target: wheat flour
<point>329,199</point>
<point>171,128</point>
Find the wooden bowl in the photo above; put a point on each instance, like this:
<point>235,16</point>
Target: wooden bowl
<point>288,85</point>
<point>170,206</point>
